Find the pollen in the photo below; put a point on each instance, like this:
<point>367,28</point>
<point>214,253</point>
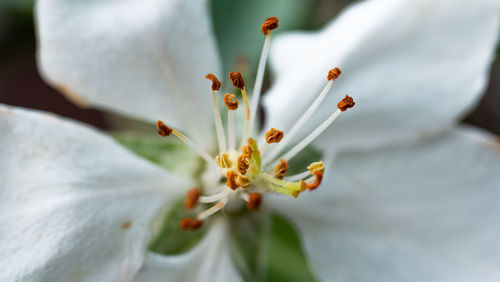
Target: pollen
<point>274,136</point>
<point>346,103</point>
<point>254,201</point>
<point>281,169</point>
<point>215,81</point>
<point>192,197</point>
<point>243,181</point>
<point>231,180</point>
<point>269,25</point>
<point>246,150</point>
<point>237,80</point>
<point>163,130</point>
<point>333,74</point>
<point>190,224</point>
<point>243,164</point>
<point>230,101</point>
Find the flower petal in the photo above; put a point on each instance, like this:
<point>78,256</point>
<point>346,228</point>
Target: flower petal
<point>146,59</point>
<point>425,212</point>
<point>208,261</point>
<point>74,205</point>
<point>412,66</point>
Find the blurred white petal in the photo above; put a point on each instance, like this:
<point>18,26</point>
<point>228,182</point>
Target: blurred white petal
<point>74,205</point>
<point>412,66</point>
<point>422,212</point>
<point>146,58</point>
<point>209,261</point>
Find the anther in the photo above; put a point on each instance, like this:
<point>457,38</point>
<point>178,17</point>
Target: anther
<point>231,180</point>
<point>254,201</point>
<point>215,81</point>
<point>190,224</point>
<point>281,169</point>
<point>316,167</point>
<point>346,103</point>
<point>269,24</point>
<point>163,130</point>
<point>223,160</point>
<point>237,80</point>
<point>333,74</point>
<point>274,136</point>
<point>246,150</point>
<point>230,101</point>
<point>192,197</point>
<point>243,181</point>
<point>316,183</point>
<point>243,164</point>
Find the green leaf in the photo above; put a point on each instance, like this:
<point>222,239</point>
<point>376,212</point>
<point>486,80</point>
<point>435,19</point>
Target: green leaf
<point>286,260</point>
<point>170,153</point>
<point>266,247</point>
<point>167,236</point>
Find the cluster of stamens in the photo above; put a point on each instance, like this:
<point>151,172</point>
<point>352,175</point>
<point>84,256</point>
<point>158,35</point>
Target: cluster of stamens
<point>248,172</point>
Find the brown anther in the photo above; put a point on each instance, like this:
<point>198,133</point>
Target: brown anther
<point>346,103</point>
<point>231,180</point>
<point>274,136</point>
<point>317,181</point>
<point>237,80</point>
<point>269,24</point>
<point>243,164</point>
<point>254,201</point>
<point>192,197</point>
<point>190,224</point>
<point>215,81</point>
<point>281,169</point>
<point>333,74</point>
<point>246,150</point>
<point>163,130</point>
<point>230,101</point>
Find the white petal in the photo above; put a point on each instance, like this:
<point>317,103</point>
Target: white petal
<point>208,261</point>
<point>412,66</point>
<point>425,212</point>
<point>74,205</point>
<point>142,58</point>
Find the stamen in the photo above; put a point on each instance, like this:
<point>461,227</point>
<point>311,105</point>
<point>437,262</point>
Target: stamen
<point>164,131</point>
<point>317,169</point>
<point>214,198</point>
<point>218,122</point>
<point>243,164</point>
<point>245,149</point>
<point>303,119</point>
<point>269,25</point>
<point>230,101</point>
<point>254,201</point>
<point>238,82</point>
<point>243,181</point>
<point>346,103</point>
<point>281,169</point>
<point>316,183</point>
<point>231,180</point>
<point>333,74</point>
<point>190,224</point>
<point>298,176</point>
<point>223,161</point>
<point>212,210</point>
<point>192,197</point>
<point>266,28</point>
<point>232,104</point>
<point>274,136</point>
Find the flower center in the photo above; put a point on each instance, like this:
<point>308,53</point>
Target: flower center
<point>253,169</point>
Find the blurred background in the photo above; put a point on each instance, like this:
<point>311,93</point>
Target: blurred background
<point>236,25</point>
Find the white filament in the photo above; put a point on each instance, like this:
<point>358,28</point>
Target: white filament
<point>221,139</point>
<point>298,125</point>
<point>230,130</point>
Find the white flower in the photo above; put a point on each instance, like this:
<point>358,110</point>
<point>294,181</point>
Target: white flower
<point>393,206</point>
